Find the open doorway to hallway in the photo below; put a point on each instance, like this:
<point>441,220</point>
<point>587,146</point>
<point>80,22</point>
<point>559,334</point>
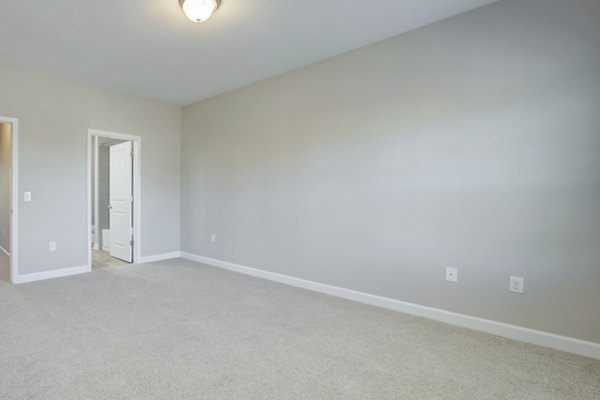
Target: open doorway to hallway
<point>112,199</point>
<point>5,199</point>
<point>8,199</point>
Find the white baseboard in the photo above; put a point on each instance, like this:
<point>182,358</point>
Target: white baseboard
<point>540,338</point>
<point>159,257</point>
<point>57,273</point>
<point>2,249</point>
<point>60,273</point>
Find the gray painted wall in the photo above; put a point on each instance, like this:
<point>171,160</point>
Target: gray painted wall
<point>5,192</point>
<point>53,121</point>
<point>473,142</point>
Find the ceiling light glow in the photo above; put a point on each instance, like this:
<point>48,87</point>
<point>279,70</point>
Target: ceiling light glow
<point>199,10</point>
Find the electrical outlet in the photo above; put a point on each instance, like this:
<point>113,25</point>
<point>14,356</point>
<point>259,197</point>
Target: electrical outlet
<point>516,284</point>
<point>52,246</point>
<point>213,237</point>
<point>451,274</point>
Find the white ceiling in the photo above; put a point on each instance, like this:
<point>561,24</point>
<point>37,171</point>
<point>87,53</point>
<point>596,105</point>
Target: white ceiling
<point>148,48</point>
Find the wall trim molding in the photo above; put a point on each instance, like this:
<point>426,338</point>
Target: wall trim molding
<point>159,257</point>
<point>2,249</point>
<point>64,272</point>
<point>56,273</point>
<point>532,336</point>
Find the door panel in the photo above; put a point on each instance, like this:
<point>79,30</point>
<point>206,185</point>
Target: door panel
<point>121,201</point>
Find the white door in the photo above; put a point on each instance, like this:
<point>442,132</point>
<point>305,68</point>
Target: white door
<point>121,201</point>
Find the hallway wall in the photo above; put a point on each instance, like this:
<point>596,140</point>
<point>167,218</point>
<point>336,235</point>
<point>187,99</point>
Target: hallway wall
<point>5,193</point>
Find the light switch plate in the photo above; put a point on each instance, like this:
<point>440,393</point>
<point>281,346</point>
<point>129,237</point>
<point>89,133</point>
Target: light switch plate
<point>27,197</point>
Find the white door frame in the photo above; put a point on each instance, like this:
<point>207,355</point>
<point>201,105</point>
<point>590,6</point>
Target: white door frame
<point>137,189</point>
<point>95,209</point>
<point>14,218</point>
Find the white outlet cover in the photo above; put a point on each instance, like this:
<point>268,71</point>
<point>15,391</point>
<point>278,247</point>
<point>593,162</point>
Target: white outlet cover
<point>451,274</point>
<point>52,246</point>
<point>213,237</point>
<point>516,284</point>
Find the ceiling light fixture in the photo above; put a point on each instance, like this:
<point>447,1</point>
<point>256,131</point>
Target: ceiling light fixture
<point>199,10</point>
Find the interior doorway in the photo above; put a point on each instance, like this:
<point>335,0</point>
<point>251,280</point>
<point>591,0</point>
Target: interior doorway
<point>8,199</point>
<point>113,182</point>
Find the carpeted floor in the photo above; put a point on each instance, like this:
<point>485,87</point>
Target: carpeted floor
<point>102,258</point>
<point>4,267</point>
<point>180,330</point>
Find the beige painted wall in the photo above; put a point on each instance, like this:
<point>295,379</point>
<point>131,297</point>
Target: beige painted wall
<point>54,118</point>
<point>5,192</point>
<point>473,142</point>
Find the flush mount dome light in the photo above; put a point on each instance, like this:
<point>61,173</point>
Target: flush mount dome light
<point>199,10</point>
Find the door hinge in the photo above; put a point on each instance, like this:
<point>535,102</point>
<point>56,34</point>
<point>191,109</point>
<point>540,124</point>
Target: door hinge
<point>131,242</point>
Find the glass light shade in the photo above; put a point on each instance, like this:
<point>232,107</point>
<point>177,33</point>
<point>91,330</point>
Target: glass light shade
<point>199,10</point>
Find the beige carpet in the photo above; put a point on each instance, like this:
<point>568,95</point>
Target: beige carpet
<point>4,268</point>
<point>102,258</point>
<point>180,330</point>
